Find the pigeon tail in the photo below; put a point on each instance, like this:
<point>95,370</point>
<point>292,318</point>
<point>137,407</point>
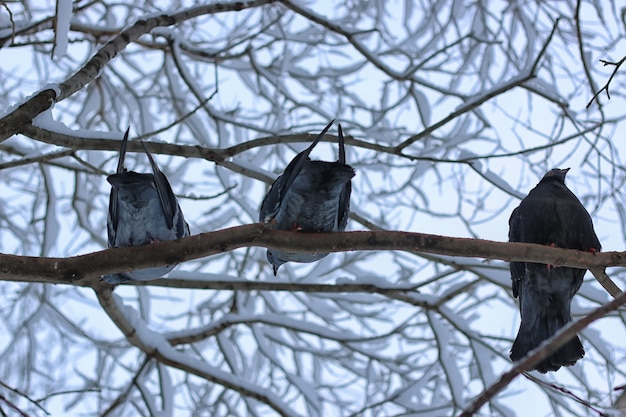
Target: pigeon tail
<point>323,178</point>
<point>130,179</point>
<point>142,209</point>
<point>541,325</point>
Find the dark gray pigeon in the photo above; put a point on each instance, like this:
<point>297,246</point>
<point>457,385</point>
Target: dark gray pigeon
<point>310,196</point>
<point>142,209</point>
<point>550,215</point>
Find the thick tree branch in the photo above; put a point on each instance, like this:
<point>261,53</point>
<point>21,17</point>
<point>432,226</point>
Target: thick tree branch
<point>23,115</point>
<point>92,265</point>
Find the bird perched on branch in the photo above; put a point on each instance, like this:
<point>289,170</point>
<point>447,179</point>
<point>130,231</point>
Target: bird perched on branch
<point>550,215</point>
<point>310,196</point>
<point>142,209</point>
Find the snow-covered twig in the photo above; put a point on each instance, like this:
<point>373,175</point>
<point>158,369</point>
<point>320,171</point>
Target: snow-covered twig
<point>155,345</point>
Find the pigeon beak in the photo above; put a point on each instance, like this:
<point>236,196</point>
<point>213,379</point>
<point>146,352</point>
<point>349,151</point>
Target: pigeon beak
<point>275,267</point>
<point>565,171</point>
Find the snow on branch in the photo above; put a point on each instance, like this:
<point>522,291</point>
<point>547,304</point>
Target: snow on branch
<point>155,345</point>
<point>23,115</point>
<point>475,102</point>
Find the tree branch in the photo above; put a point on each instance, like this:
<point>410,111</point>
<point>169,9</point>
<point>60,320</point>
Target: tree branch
<point>543,351</point>
<point>485,96</point>
<point>155,345</point>
<point>23,115</point>
<point>90,266</point>
<point>212,154</point>
<point>608,83</point>
<point>15,121</point>
<point>605,281</point>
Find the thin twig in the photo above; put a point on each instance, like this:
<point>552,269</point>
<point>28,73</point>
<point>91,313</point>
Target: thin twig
<point>156,346</point>
<point>485,96</point>
<point>608,83</point>
<point>13,406</point>
<point>124,395</point>
<point>6,7</point>
<point>581,50</point>
<point>565,391</point>
<point>39,158</point>
<point>21,394</point>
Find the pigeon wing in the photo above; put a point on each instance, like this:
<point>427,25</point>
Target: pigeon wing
<point>517,268</point>
<point>166,195</point>
<point>344,199</point>
<point>579,223</point>
<point>113,203</point>
<point>112,220</point>
<point>272,200</point>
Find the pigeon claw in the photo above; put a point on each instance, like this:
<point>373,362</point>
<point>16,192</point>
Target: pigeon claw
<point>550,266</point>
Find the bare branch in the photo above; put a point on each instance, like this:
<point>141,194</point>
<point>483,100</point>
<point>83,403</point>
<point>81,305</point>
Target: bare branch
<point>21,394</point>
<point>617,65</point>
<point>90,266</point>
<point>605,281</point>
<point>12,406</point>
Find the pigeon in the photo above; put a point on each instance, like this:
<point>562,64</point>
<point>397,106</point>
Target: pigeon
<point>550,215</point>
<point>310,196</point>
<point>142,209</point>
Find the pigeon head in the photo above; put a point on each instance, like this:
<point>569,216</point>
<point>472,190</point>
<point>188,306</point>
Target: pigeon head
<point>555,174</point>
<point>275,261</point>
